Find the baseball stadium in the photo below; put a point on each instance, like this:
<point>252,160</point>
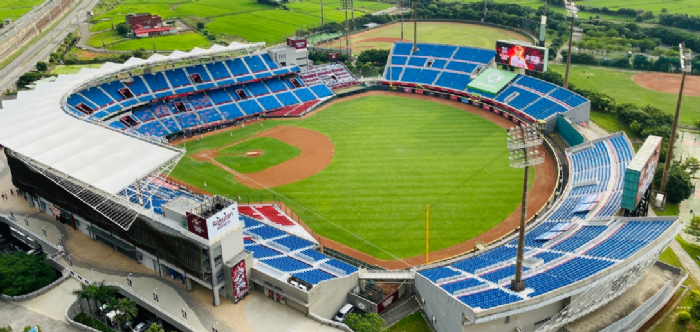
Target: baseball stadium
<point>457,176</point>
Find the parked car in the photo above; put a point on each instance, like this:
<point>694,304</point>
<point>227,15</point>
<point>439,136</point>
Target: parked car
<point>343,312</point>
<point>140,327</point>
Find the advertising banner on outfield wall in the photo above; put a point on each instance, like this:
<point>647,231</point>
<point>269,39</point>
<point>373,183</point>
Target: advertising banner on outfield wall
<point>491,81</point>
<point>240,281</point>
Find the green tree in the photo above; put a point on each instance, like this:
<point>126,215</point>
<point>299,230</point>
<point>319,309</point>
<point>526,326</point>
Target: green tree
<point>87,293</point>
<point>155,327</point>
<point>7,328</point>
<point>691,165</point>
<point>104,296</point>
<point>21,273</point>
<point>679,186</point>
<point>123,29</point>
<point>42,66</point>
<point>200,25</point>
<point>126,311</point>
<point>364,323</point>
<point>683,317</point>
<point>693,229</point>
<point>28,78</point>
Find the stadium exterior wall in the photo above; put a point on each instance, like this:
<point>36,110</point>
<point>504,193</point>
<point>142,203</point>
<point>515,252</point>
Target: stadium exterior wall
<point>443,306</point>
<point>324,299</point>
<point>144,234</point>
<point>567,131</point>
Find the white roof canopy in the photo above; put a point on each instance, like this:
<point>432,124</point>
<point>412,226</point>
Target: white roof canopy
<point>36,126</point>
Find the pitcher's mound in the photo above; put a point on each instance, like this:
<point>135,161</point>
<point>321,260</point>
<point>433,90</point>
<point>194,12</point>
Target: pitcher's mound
<point>668,83</point>
<point>254,153</point>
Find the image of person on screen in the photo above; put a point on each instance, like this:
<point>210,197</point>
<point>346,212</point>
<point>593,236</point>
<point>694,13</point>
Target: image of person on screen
<point>518,57</point>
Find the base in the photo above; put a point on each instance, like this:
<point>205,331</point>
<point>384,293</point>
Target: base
<point>517,286</point>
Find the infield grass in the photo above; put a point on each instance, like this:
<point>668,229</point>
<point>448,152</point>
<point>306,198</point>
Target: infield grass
<point>274,152</point>
<point>429,32</point>
<point>393,156</point>
<point>619,85</point>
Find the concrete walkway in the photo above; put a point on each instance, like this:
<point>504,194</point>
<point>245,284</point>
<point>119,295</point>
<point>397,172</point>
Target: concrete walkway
<point>687,261</point>
<point>18,316</point>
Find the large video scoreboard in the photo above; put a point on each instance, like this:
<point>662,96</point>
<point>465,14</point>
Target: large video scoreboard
<point>522,56</point>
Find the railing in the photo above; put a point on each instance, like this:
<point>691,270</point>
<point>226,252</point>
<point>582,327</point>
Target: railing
<point>305,258</point>
<point>335,270</point>
<point>494,266</point>
<point>471,290</point>
<point>448,279</point>
<point>280,247</point>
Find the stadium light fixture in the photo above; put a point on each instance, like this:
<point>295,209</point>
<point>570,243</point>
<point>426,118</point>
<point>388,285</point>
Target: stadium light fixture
<point>523,143</point>
<point>686,67</point>
<point>571,9</point>
<point>346,5</point>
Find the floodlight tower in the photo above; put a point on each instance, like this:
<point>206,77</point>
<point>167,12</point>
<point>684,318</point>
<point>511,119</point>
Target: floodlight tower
<point>543,25</point>
<point>401,11</point>
<point>346,5</point>
<point>523,144</point>
<point>415,26</point>
<point>571,9</point>
<point>686,57</point>
<point>321,13</point>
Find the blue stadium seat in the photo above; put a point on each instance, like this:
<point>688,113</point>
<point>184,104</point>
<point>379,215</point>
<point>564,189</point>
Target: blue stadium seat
<point>250,107</point>
<point>304,94</point>
<point>321,90</point>
<point>255,63</point>
<point>402,48</point>
<point>313,276</point>
<point>294,243</point>
<point>268,61</point>
<point>286,264</point>
<point>237,67</point>
<point>231,111</point>
<point>269,102</point>
<point>288,98</point>
<point>219,96</point>
<point>275,84</point>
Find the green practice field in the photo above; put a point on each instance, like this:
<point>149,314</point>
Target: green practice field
<point>14,9</point>
<point>619,85</point>
<point>185,41</point>
<point>393,156</point>
<point>428,32</point>
<point>690,7</point>
<point>274,152</point>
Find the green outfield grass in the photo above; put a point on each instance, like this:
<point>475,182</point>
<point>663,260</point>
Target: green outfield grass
<point>14,9</point>
<point>619,85</point>
<point>274,152</point>
<point>185,41</point>
<point>393,156</point>
<point>430,32</point>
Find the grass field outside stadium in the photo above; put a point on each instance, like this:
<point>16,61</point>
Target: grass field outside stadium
<point>619,85</point>
<point>14,9</point>
<point>428,32</point>
<point>393,156</point>
<point>690,7</point>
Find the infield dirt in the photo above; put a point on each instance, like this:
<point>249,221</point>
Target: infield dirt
<point>668,83</point>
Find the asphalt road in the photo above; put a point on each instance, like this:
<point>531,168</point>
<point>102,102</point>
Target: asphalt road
<point>41,49</point>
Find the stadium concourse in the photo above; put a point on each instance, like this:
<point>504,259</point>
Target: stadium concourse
<point>92,150</point>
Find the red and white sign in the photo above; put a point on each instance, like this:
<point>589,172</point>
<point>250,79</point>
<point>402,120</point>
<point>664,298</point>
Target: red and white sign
<point>297,42</point>
<point>215,225</point>
<point>387,301</point>
<point>240,281</point>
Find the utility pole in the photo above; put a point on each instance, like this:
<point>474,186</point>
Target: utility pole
<point>347,5</point>
<point>543,25</point>
<point>485,10</point>
<point>321,13</point>
<point>401,11</point>
<point>572,10</point>
<point>686,57</point>
<point>415,26</point>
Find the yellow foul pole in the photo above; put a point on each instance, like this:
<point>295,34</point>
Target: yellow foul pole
<point>427,236</point>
